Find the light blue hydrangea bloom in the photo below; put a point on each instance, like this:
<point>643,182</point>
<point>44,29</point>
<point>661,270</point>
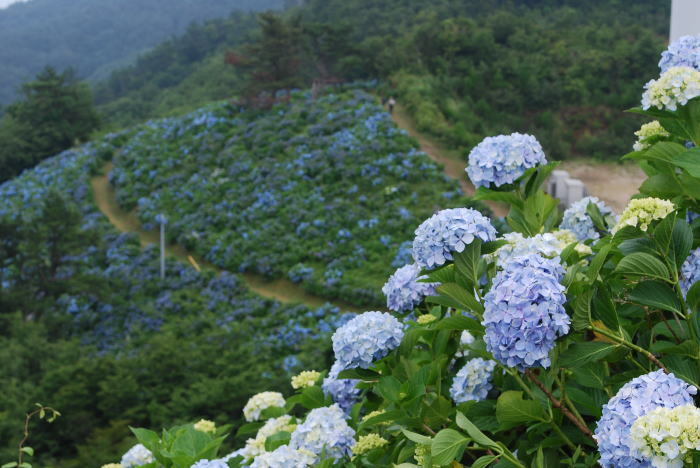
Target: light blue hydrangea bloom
<point>473,381</point>
<point>684,52</point>
<point>324,430</point>
<point>366,338</point>
<point>634,399</point>
<point>690,271</point>
<point>524,311</point>
<point>284,457</point>
<point>502,159</point>
<point>449,231</point>
<point>576,219</point>
<point>136,456</point>
<point>210,464</point>
<point>404,292</point>
<point>343,391</point>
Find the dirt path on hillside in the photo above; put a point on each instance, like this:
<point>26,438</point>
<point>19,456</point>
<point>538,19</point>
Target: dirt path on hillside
<point>281,290</point>
<point>452,162</point>
<point>611,182</point>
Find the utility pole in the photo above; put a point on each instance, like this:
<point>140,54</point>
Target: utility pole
<point>685,18</point>
<point>163,221</point>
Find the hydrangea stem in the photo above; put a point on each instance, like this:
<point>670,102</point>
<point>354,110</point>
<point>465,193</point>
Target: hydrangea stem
<point>558,404</point>
<point>531,394</point>
<point>632,346</point>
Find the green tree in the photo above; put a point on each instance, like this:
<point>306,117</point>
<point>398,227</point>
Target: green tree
<point>55,112</point>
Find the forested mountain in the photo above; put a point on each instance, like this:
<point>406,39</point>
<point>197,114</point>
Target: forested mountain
<point>463,68</point>
<point>95,36</point>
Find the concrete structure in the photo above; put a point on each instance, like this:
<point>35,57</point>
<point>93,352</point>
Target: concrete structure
<point>560,185</point>
<point>685,18</point>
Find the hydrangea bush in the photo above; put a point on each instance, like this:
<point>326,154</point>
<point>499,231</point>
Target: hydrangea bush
<point>554,355</point>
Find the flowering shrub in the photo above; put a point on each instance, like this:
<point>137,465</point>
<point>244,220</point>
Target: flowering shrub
<point>554,356</point>
<point>510,362</point>
<point>321,201</point>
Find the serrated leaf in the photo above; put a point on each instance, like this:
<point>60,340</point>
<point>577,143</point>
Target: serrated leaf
<point>474,432</point>
<point>580,354</point>
<point>446,445</point>
<point>656,294</point>
<point>467,261</point>
<point>598,261</point>
<point>415,437</point>
<point>642,264</point>
<point>512,410</point>
<point>581,319</point>
<point>464,298</point>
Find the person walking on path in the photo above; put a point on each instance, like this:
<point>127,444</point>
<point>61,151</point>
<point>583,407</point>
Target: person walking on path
<point>391,103</point>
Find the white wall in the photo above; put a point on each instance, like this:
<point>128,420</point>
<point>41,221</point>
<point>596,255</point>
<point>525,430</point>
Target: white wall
<point>685,18</point>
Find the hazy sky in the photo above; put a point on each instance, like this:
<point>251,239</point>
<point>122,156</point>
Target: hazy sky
<point>4,3</point>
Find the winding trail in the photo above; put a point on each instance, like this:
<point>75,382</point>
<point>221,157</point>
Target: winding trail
<point>281,290</point>
<point>612,182</point>
<point>453,164</point>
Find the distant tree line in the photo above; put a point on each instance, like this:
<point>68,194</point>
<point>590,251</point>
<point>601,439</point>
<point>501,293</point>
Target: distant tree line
<point>55,112</point>
<point>463,69</point>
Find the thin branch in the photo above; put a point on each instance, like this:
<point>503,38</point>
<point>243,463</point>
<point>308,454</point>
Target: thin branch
<point>558,404</point>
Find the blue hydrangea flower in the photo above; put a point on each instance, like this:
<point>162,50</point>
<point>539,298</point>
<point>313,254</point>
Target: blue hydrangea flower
<point>473,381</point>
<point>210,464</point>
<point>366,338</point>
<point>449,231</point>
<point>136,456</point>
<point>502,159</point>
<point>690,271</point>
<point>404,254</point>
<point>576,219</point>
<point>524,311</point>
<point>284,457</point>
<point>324,430</point>
<point>684,52</point>
<point>404,292</point>
<point>343,391</point>
<point>634,399</point>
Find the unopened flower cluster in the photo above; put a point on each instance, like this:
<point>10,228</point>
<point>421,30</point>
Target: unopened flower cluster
<point>640,212</point>
<point>647,132</point>
<point>676,86</point>
<point>305,379</point>
<point>577,220</point>
<point>256,447</point>
<point>690,271</point>
<point>136,456</point>
<point>366,338</point>
<point>404,292</point>
<point>204,425</point>
<point>636,398</point>
<point>502,159</point>
<point>368,442</point>
<point>324,431</point>
<point>260,402</point>
<point>667,436</point>
<point>343,391</point>
<point>524,312</point>
<point>473,381</point>
<point>449,231</point>
<point>684,52</point>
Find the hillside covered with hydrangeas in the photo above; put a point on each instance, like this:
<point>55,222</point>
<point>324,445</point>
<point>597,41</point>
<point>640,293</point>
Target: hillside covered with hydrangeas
<point>558,339</point>
<point>322,192</point>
